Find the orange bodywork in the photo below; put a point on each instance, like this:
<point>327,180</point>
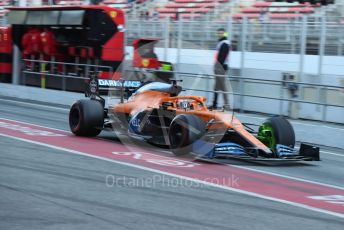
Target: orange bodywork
<point>155,99</point>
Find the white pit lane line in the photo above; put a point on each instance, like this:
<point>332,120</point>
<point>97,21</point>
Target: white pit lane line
<point>33,104</point>
<point>331,153</point>
<point>181,177</point>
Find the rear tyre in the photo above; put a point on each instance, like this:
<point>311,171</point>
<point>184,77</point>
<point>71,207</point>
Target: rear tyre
<point>86,118</point>
<point>184,130</point>
<point>277,130</point>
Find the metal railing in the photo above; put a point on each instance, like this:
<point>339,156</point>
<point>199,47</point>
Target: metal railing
<point>242,93</point>
<point>202,84</point>
<point>260,36</point>
<point>300,39</point>
<point>60,70</point>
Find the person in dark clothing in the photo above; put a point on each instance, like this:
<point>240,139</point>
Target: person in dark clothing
<point>223,48</point>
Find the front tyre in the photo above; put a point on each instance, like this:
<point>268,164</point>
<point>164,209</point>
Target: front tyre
<point>184,130</point>
<point>277,130</point>
<point>86,118</point>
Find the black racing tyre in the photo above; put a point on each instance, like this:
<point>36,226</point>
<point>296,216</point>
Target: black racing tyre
<point>281,130</point>
<point>184,130</point>
<point>86,118</point>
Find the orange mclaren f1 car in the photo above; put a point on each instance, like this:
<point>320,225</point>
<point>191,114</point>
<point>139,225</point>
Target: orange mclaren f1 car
<point>157,114</point>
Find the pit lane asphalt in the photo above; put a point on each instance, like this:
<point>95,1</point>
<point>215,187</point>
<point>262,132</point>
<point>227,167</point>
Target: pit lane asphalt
<point>43,188</point>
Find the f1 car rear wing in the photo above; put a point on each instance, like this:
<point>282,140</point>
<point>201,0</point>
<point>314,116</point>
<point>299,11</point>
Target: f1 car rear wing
<point>121,89</point>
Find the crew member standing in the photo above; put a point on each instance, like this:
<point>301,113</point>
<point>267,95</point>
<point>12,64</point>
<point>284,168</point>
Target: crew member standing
<point>223,48</point>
